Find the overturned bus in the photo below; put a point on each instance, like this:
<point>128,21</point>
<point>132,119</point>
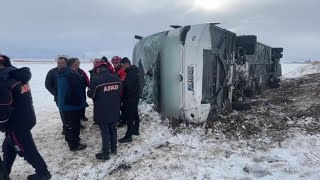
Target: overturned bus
<point>196,72</point>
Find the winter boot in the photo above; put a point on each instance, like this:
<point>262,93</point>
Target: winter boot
<point>79,148</point>
<point>39,177</point>
<point>102,156</point>
<point>136,133</point>
<point>82,126</point>
<point>121,124</point>
<point>113,153</point>
<point>84,118</point>
<point>125,139</point>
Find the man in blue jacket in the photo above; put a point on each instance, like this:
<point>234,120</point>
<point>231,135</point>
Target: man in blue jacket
<point>71,101</point>
<point>17,118</point>
<point>105,90</point>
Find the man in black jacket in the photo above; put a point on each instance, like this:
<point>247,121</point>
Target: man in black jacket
<point>17,118</point>
<point>105,90</point>
<point>85,83</point>
<point>71,101</point>
<point>52,85</point>
<point>131,94</point>
<point>5,108</point>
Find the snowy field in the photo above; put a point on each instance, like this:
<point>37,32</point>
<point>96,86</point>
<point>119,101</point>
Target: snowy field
<point>162,153</point>
<point>298,70</point>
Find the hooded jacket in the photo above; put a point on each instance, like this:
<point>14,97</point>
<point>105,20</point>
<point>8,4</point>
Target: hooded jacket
<point>16,105</point>
<point>5,96</point>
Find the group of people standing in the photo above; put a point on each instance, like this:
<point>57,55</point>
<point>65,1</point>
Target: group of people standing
<point>114,88</point>
<point>68,80</point>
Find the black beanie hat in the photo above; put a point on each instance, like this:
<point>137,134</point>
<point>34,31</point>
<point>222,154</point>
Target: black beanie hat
<point>125,60</point>
<point>71,61</point>
<point>104,59</point>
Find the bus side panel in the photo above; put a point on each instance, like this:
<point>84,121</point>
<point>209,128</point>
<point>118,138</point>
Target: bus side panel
<point>171,77</point>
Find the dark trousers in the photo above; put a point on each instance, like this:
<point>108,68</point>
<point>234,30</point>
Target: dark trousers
<point>62,119</point>
<point>109,137</point>
<point>121,119</point>
<point>72,120</point>
<point>83,113</point>
<point>131,116</point>
<point>3,172</point>
<point>94,117</point>
<point>21,143</point>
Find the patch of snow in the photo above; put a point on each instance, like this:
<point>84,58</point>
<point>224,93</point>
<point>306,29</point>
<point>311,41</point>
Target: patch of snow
<point>298,70</point>
<point>161,153</point>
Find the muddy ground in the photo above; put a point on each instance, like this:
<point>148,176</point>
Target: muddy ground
<point>294,106</point>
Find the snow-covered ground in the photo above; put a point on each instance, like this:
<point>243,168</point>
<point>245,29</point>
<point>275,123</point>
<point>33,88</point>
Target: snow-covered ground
<point>163,153</point>
<point>298,70</point>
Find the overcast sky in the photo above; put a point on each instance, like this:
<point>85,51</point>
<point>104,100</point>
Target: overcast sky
<point>92,28</point>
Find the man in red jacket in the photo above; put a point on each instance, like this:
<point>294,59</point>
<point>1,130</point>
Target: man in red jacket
<point>109,66</point>
<point>118,69</point>
<point>121,73</point>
